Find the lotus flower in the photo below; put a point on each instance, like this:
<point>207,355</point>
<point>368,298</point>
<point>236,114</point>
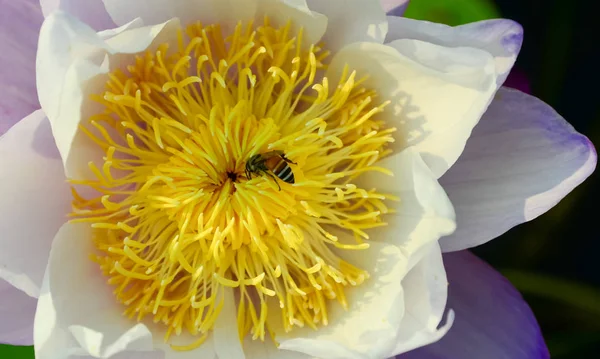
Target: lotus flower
<point>266,179</point>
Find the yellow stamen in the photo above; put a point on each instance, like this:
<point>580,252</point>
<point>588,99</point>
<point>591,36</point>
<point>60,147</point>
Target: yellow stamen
<point>177,221</point>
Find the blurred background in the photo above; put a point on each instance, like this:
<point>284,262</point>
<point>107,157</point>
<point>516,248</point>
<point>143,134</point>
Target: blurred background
<point>554,260</point>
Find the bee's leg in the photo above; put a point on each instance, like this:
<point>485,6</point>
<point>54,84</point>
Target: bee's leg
<point>274,179</point>
<point>287,159</point>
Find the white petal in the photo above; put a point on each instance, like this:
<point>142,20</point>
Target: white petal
<point>423,215</point>
<point>134,355</point>
<point>122,355</point>
<point>77,312</point>
<point>426,293</point>
<point>73,62</point>
<point>35,201</point>
<point>138,39</point>
<point>350,21</point>
<point>110,33</point>
<point>424,212</point>
<point>16,310</point>
<point>502,38</point>
<point>188,11</point>
<point>522,159</point>
<point>255,349</point>
<point>225,333</point>
<point>280,12</point>
<point>437,93</point>
<point>92,12</point>
<point>368,329</point>
<point>69,54</point>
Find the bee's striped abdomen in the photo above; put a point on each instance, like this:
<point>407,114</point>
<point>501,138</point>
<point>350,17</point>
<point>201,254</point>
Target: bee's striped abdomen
<point>283,171</point>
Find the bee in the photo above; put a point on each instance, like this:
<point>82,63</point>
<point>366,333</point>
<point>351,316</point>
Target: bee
<point>272,163</point>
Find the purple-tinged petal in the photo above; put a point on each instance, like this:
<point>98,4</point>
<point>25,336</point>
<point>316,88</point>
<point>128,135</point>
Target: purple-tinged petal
<point>35,201</point>
<point>395,7</point>
<point>92,12</point>
<point>501,38</point>
<point>17,310</point>
<point>492,319</point>
<point>520,161</point>
<point>20,23</point>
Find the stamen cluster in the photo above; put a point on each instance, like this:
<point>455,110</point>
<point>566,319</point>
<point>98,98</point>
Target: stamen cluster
<point>176,219</point>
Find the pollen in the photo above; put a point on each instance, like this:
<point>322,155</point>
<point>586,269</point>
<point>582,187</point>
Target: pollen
<point>176,219</point>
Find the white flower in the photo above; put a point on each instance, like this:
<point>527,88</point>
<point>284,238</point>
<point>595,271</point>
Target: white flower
<point>156,122</point>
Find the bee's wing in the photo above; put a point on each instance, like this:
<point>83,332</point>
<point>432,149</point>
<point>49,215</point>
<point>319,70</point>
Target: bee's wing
<point>271,154</point>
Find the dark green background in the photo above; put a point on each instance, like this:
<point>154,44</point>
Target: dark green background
<point>553,260</point>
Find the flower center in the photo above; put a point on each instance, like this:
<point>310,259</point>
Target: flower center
<point>230,163</point>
